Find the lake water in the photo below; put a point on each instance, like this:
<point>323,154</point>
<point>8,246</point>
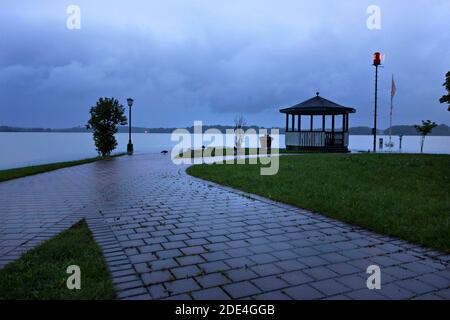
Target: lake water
<point>19,149</point>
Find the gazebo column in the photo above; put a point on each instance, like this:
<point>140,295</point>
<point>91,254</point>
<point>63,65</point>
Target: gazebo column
<point>299,122</point>
<point>312,123</point>
<point>343,123</point>
<point>287,122</point>
<point>323,123</point>
<point>293,122</point>
<point>346,121</point>
<point>332,127</point>
<point>332,123</point>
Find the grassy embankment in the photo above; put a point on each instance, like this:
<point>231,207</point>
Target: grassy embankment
<point>28,171</point>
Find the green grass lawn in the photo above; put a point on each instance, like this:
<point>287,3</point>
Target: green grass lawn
<point>41,272</point>
<point>403,195</point>
<point>27,171</point>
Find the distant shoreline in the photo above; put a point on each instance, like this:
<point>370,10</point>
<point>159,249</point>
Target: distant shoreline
<point>406,130</point>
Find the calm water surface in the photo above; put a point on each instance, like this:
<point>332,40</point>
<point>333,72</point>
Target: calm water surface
<point>19,149</point>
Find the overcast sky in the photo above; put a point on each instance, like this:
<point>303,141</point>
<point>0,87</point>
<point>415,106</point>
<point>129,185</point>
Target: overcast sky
<point>186,60</point>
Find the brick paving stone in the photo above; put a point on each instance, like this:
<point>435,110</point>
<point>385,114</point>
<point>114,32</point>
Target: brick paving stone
<point>428,296</point>
<point>270,283</point>
<point>343,268</point>
<point>415,286</point>
<point>241,289</point>
<point>192,250</point>
<point>195,259</point>
<point>210,294</point>
<point>320,273</point>
<point>170,253</point>
<point>144,257</point>
<point>395,292</point>
<point>313,261</point>
<point>290,265</point>
<point>303,292</point>
<point>144,296</point>
<point>179,297</point>
<point>212,280</point>
<point>181,286</point>
<point>128,285</point>
<point>156,277</point>
<point>399,272</point>
<point>296,277</point>
<point>273,295</point>
<point>241,274</point>
<point>162,264</point>
<point>131,293</point>
<point>330,287</point>
<point>214,266</point>
<point>157,291</point>
<point>354,281</point>
<point>435,280</point>
<point>366,294</point>
<point>444,293</point>
<point>338,297</point>
<point>214,256</point>
<point>262,258</point>
<point>239,262</point>
<point>185,272</point>
<point>266,269</point>
<point>142,268</point>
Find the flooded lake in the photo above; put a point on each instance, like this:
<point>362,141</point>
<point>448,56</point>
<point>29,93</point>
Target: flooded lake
<point>19,149</point>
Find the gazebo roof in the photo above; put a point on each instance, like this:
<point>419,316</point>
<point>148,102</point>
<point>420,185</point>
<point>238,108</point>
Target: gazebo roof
<point>318,106</point>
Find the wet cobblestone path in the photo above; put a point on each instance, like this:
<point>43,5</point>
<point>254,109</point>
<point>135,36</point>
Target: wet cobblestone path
<point>166,235</point>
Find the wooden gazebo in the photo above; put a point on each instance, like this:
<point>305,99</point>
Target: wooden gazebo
<point>322,139</point>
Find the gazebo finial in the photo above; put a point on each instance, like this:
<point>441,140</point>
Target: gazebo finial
<point>317,93</point>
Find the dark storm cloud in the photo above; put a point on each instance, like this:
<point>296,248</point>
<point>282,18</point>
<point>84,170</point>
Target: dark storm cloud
<point>209,60</point>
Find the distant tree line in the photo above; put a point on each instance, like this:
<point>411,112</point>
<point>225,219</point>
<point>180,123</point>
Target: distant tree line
<point>407,130</point>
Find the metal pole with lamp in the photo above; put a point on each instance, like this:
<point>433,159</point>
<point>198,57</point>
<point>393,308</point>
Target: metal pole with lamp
<point>129,145</point>
<point>376,63</point>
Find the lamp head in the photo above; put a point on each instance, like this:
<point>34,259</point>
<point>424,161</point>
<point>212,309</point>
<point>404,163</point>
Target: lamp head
<point>130,102</point>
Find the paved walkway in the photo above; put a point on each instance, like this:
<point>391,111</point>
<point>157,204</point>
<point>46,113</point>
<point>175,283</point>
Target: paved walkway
<point>167,235</point>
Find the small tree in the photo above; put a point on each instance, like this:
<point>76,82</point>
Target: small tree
<point>446,84</point>
<point>426,127</point>
<point>105,116</point>
<point>239,124</point>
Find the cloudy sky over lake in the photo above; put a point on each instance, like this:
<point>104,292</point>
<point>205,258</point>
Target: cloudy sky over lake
<point>210,60</point>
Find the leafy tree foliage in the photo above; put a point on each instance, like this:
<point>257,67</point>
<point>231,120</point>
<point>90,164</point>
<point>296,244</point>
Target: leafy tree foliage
<point>424,129</point>
<point>105,116</point>
<point>446,84</point>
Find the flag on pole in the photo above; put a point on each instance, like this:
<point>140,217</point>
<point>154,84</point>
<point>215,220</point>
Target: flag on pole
<point>393,88</point>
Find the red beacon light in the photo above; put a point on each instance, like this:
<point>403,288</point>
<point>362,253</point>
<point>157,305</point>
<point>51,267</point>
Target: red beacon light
<point>376,59</point>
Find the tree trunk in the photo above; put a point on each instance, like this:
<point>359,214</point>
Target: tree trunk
<point>421,144</point>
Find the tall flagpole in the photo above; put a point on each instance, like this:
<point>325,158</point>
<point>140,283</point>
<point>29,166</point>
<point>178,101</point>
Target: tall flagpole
<point>393,89</point>
<point>390,124</point>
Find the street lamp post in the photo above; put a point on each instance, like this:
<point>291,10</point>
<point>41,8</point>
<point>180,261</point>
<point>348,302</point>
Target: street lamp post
<point>129,145</point>
<point>376,63</point>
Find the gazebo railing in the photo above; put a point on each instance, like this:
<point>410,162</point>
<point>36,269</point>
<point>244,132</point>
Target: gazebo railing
<point>316,138</point>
